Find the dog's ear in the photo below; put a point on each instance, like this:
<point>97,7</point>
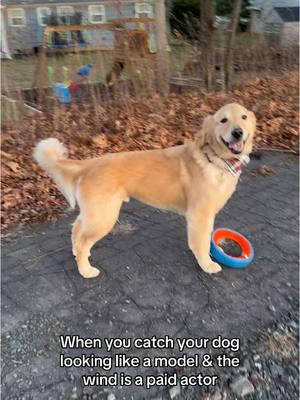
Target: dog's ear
<point>253,120</point>
<point>205,135</point>
<point>249,143</point>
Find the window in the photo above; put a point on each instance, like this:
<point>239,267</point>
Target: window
<point>143,10</point>
<point>16,17</point>
<point>97,14</point>
<point>65,15</point>
<point>258,14</point>
<point>43,14</point>
<point>65,11</point>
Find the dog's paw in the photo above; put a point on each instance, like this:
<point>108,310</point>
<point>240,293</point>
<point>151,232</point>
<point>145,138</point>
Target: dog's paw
<point>90,272</point>
<point>211,268</point>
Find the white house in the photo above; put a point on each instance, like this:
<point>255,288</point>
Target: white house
<point>276,17</point>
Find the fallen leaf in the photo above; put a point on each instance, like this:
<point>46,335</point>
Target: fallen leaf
<point>100,140</point>
<point>13,166</point>
<point>263,170</point>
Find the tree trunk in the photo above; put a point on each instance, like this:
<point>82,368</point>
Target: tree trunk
<point>162,55</point>
<point>207,28</point>
<point>231,42</point>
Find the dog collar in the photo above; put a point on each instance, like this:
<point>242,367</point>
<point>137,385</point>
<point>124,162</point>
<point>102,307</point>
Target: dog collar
<point>234,165</point>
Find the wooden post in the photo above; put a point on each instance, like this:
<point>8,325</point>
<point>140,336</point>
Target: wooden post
<point>231,41</point>
<point>162,56</point>
<point>42,72</point>
<point>207,28</point>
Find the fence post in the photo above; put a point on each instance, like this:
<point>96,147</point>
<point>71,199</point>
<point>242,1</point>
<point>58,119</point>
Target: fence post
<point>41,75</point>
<point>162,56</point>
<point>207,28</point>
<point>231,41</point>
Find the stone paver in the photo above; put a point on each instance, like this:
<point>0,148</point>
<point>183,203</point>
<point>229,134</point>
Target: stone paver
<point>150,284</point>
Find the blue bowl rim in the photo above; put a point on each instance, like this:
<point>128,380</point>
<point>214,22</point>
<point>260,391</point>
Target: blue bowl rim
<point>227,260</point>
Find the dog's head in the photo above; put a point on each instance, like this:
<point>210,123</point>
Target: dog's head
<point>230,131</point>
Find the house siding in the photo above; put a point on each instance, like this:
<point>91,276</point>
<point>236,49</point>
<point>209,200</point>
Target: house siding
<point>290,34</point>
<point>256,22</point>
<point>22,37</point>
<point>267,20</point>
<point>30,36</point>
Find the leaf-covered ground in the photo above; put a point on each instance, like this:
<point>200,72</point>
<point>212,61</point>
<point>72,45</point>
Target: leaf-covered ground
<point>29,196</point>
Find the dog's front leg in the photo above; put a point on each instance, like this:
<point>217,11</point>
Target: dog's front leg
<point>200,227</point>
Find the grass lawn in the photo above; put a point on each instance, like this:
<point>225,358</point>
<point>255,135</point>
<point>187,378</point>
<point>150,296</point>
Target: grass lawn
<point>9,111</point>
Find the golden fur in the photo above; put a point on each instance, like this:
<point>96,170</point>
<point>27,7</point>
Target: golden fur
<point>189,179</point>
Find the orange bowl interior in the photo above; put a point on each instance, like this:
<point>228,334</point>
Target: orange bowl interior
<point>222,234</point>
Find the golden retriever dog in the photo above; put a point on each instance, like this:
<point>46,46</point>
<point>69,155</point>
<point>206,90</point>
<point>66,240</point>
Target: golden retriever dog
<point>194,180</point>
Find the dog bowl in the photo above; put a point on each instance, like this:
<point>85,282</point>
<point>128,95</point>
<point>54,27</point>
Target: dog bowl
<point>219,237</point>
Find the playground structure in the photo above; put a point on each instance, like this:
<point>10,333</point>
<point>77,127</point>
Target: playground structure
<point>131,45</point>
<point>126,65</point>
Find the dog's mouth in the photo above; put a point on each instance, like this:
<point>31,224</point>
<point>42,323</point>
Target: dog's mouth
<point>236,147</point>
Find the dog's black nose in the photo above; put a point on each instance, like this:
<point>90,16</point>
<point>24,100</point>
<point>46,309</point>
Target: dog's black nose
<point>237,133</point>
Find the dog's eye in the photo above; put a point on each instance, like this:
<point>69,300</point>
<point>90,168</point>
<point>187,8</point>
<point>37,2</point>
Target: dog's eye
<point>244,116</point>
<point>223,120</point>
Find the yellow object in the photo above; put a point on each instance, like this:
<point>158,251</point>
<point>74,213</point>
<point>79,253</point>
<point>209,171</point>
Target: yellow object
<point>66,79</point>
<point>50,75</point>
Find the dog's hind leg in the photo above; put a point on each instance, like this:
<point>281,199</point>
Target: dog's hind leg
<point>97,218</point>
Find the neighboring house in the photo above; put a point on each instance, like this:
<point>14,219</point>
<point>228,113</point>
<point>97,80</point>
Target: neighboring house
<point>24,21</point>
<point>4,46</point>
<point>276,17</point>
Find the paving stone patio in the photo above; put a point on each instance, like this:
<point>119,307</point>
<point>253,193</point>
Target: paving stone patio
<point>150,284</point>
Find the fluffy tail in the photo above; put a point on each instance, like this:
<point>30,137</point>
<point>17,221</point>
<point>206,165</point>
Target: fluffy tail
<point>51,155</point>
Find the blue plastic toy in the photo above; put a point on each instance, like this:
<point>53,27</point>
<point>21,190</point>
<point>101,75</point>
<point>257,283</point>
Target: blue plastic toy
<point>84,71</point>
<point>62,92</point>
<point>247,252</point>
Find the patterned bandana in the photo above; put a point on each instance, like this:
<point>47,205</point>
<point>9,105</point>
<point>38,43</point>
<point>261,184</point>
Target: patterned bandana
<point>233,165</point>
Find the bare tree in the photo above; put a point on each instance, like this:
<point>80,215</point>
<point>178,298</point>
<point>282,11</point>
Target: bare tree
<point>162,56</point>
<point>231,42</point>
<point>207,28</point>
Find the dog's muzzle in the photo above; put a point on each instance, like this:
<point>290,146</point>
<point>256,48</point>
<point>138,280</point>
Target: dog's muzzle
<point>236,145</point>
